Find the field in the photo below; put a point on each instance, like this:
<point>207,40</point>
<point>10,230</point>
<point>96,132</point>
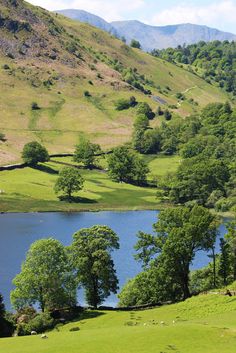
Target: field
<point>203,324</point>
<point>58,89</point>
<point>31,189</point>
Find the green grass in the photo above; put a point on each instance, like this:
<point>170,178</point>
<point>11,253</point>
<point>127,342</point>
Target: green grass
<point>204,324</point>
<point>31,189</point>
<point>163,165</point>
<point>65,113</point>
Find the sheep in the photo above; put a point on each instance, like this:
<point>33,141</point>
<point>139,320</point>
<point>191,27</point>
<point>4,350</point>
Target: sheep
<point>33,333</point>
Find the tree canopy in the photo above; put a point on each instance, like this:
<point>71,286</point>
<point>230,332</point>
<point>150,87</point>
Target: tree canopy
<point>135,44</point>
<point>91,253</point>
<point>178,235</point>
<point>46,277</point>
<point>33,153</point>
<point>126,166</point>
<point>86,152</point>
<point>69,181</point>
<point>214,61</point>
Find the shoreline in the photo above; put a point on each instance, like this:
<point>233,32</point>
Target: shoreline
<point>222,215</point>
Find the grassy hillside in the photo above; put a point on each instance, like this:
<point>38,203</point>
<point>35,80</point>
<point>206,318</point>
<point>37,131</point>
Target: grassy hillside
<point>31,189</point>
<point>51,60</point>
<point>201,324</point>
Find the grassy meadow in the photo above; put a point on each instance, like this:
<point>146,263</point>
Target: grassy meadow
<point>203,324</point>
<point>65,113</point>
<point>31,189</point>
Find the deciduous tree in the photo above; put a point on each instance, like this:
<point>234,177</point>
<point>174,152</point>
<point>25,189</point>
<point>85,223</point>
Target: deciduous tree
<point>179,234</point>
<point>91,253</point>
<point>46,277</point>
<point>69,181</point>
<point>33,153</point>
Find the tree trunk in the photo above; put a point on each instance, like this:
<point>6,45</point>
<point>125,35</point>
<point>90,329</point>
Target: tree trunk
<point>186,290</point>
<point>234,265</point>
<point>214,267</point>
<point>41,300</point>
<point>185,282</point>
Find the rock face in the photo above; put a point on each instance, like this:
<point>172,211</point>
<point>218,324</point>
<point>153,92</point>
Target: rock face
<point>33,33</point>
<point>152,37</point>
<point>86,17</point>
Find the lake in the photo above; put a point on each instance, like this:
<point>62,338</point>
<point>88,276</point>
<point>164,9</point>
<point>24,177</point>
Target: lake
<point>19,231</point>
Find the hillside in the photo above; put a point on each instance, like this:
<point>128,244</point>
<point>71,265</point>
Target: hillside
<point>86,17</point>
<point>215,61</point>
<point>205,323</point>
<point>52,60</point>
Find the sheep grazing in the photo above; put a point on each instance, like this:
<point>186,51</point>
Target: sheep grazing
<point>162,322</point>
<point>44,336</point>
<point>33,333</point>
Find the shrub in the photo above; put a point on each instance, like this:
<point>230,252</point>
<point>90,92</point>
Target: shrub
<point>6,67</point>
<point>74,329</point>
<point>2,137</point>
<point>87,94</point>
<point>167,115</point>
<point>122,104</point>
<point>135,44</point>
<point>40,324</point>
<point>35,106</point>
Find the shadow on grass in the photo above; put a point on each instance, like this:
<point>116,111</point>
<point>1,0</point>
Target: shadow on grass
<point>76,199</point>
<point>91,314</point>
<point>45,169</point>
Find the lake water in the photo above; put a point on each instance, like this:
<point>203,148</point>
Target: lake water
<point>19,231</point>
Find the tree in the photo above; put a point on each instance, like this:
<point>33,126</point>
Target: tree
<point>135,44</point>
<point>2,137</point>
<point>196,179</point>
<point>46,277</point>
<point>69,181</point>
<point>33,153</point>
<point>91,253</point>
<point>141,124</point>
<point>86,152</point>
<point>6,327</point>
<point>167,115</point>
<point>179,234</point>
<point>35,106</point>
<point>2,306</point>
<point>145,109</point>
<point>126,166</point>
<point>149,287</point>
<point>224,269</point>
<point>231,240</point>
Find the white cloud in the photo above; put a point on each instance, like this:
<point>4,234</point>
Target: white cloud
<point>108,9</point>
<point>218,14</point>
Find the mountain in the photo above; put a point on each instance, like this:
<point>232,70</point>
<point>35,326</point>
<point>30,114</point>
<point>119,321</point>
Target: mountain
<point>86,17</point>
<point>51,60</point>
<point>152,37</point>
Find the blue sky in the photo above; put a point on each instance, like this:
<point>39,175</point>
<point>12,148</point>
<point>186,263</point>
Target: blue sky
<point>213,13</point>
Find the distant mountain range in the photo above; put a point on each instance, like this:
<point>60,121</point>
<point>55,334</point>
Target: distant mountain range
<point>152,37</point>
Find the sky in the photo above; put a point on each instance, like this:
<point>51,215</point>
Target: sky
<point>219,14</point>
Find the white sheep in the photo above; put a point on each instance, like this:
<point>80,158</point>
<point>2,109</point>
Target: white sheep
<point>33,333</point>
